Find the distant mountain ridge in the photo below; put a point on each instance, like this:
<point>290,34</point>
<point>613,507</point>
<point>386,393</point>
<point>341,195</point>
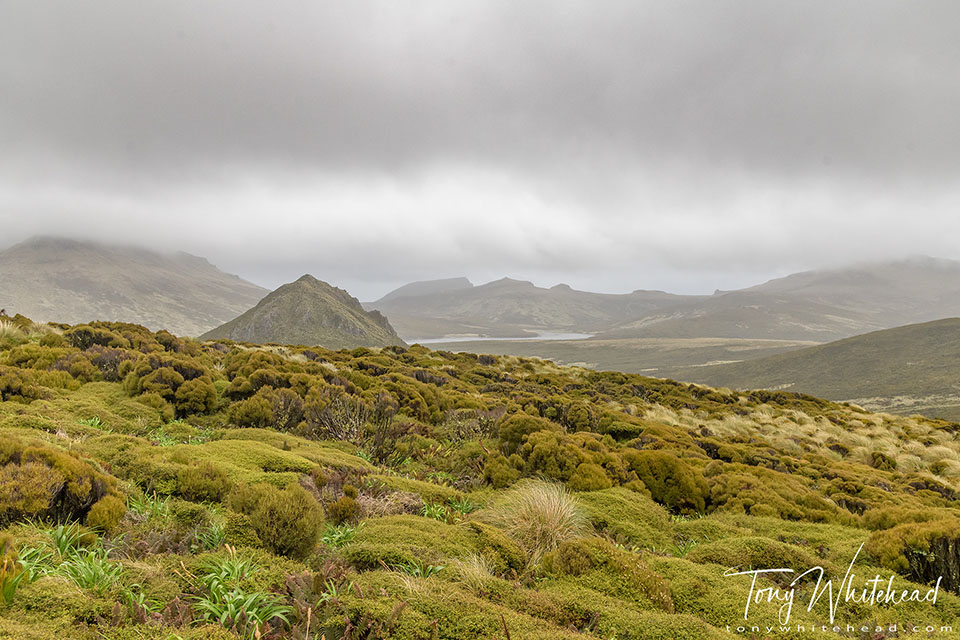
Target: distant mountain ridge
<point>509,307</point>
<point>427,287</point>
<point>57,279</point>
<point>818,306</point>
<point>309,312</point>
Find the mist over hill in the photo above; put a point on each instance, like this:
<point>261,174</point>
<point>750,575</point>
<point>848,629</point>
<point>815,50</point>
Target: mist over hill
<point>818,305</point>
<point>73,281</point>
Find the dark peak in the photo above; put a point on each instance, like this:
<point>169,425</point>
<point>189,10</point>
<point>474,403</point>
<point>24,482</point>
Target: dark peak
<point>659,292</point>
<point>189,258</point>
<point>561,287</point>
<point>307,281</point>
<point>510,282</point>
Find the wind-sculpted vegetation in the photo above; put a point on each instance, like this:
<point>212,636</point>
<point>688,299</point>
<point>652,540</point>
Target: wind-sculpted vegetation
<point>153,486</point>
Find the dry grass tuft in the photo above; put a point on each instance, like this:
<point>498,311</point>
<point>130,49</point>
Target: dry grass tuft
<point>538,516</point>
<point>473,572</point>
<point>9,330</point>
<point>39,329</point>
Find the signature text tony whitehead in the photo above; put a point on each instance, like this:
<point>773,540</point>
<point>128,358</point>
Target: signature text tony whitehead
<point>874,592</point>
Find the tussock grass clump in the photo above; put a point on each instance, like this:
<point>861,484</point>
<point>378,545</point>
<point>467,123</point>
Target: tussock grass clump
<point>473,572</point>
<point>10,331</point>
<point>539,516</point>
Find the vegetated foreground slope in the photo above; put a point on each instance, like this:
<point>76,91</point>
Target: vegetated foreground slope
<point>309,312</point>
<point>909,369</point>
<point>219,490</point>
<point>55,279</point>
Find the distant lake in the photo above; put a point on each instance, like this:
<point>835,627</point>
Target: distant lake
<point>539,336</point>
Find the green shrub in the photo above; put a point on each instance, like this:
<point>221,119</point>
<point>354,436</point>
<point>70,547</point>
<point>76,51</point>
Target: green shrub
<point>37,481</point>
<point>551,455</point>
<point>598,565</point>
<point>156,401</point>
<point>195,396</point>
<point>106,513</point>
<point>671,482</point>
<point>203,481</point>
<point>19,385</point>
<point>515,429</point>
<point>589,477</point>
<point>344,509</point>
<point>286,408</point>
<point>252,412</point>
<point>287,522</point>
<point>499,472</point>
<point>880,460</point>
<point>755,552</point>
<point>628,517</point>
<point>164,381</point>
<point>239,530</point>
<point>189,515</point>
<point>85,336</point>
<point>922,551</point>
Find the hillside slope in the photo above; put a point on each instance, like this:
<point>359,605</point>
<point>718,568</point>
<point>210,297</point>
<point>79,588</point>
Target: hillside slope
<point>54,279</point>
<point>309,312</point>
<point>910,368</point>
<point>817,305</point>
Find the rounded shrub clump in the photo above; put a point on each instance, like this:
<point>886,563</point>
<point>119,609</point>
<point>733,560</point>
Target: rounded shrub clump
<point>516,428</point>
<point>287,522</point>
<point>589,477</point>
<point>38,481</point>
<point>342,510</point>
<point>203,482</point>
<point>106,514</point>
<point>671,482</point>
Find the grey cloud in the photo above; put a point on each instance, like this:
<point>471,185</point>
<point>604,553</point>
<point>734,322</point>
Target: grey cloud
<point>615,143</point>
<point>766,86</point>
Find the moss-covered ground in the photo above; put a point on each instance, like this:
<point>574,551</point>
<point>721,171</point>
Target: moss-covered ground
<point>159,487</point>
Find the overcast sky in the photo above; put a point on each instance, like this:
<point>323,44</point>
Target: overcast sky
<point>610,145</point>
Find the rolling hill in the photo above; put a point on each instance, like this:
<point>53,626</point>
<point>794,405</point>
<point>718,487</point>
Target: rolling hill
<point>309,312</point>
<point>658,357</point>
<point>816,305</point>
<point>909,369</point>
<point>55,279</point>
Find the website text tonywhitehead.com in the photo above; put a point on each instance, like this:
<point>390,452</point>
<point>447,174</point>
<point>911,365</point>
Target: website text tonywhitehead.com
<point>842,629</point>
